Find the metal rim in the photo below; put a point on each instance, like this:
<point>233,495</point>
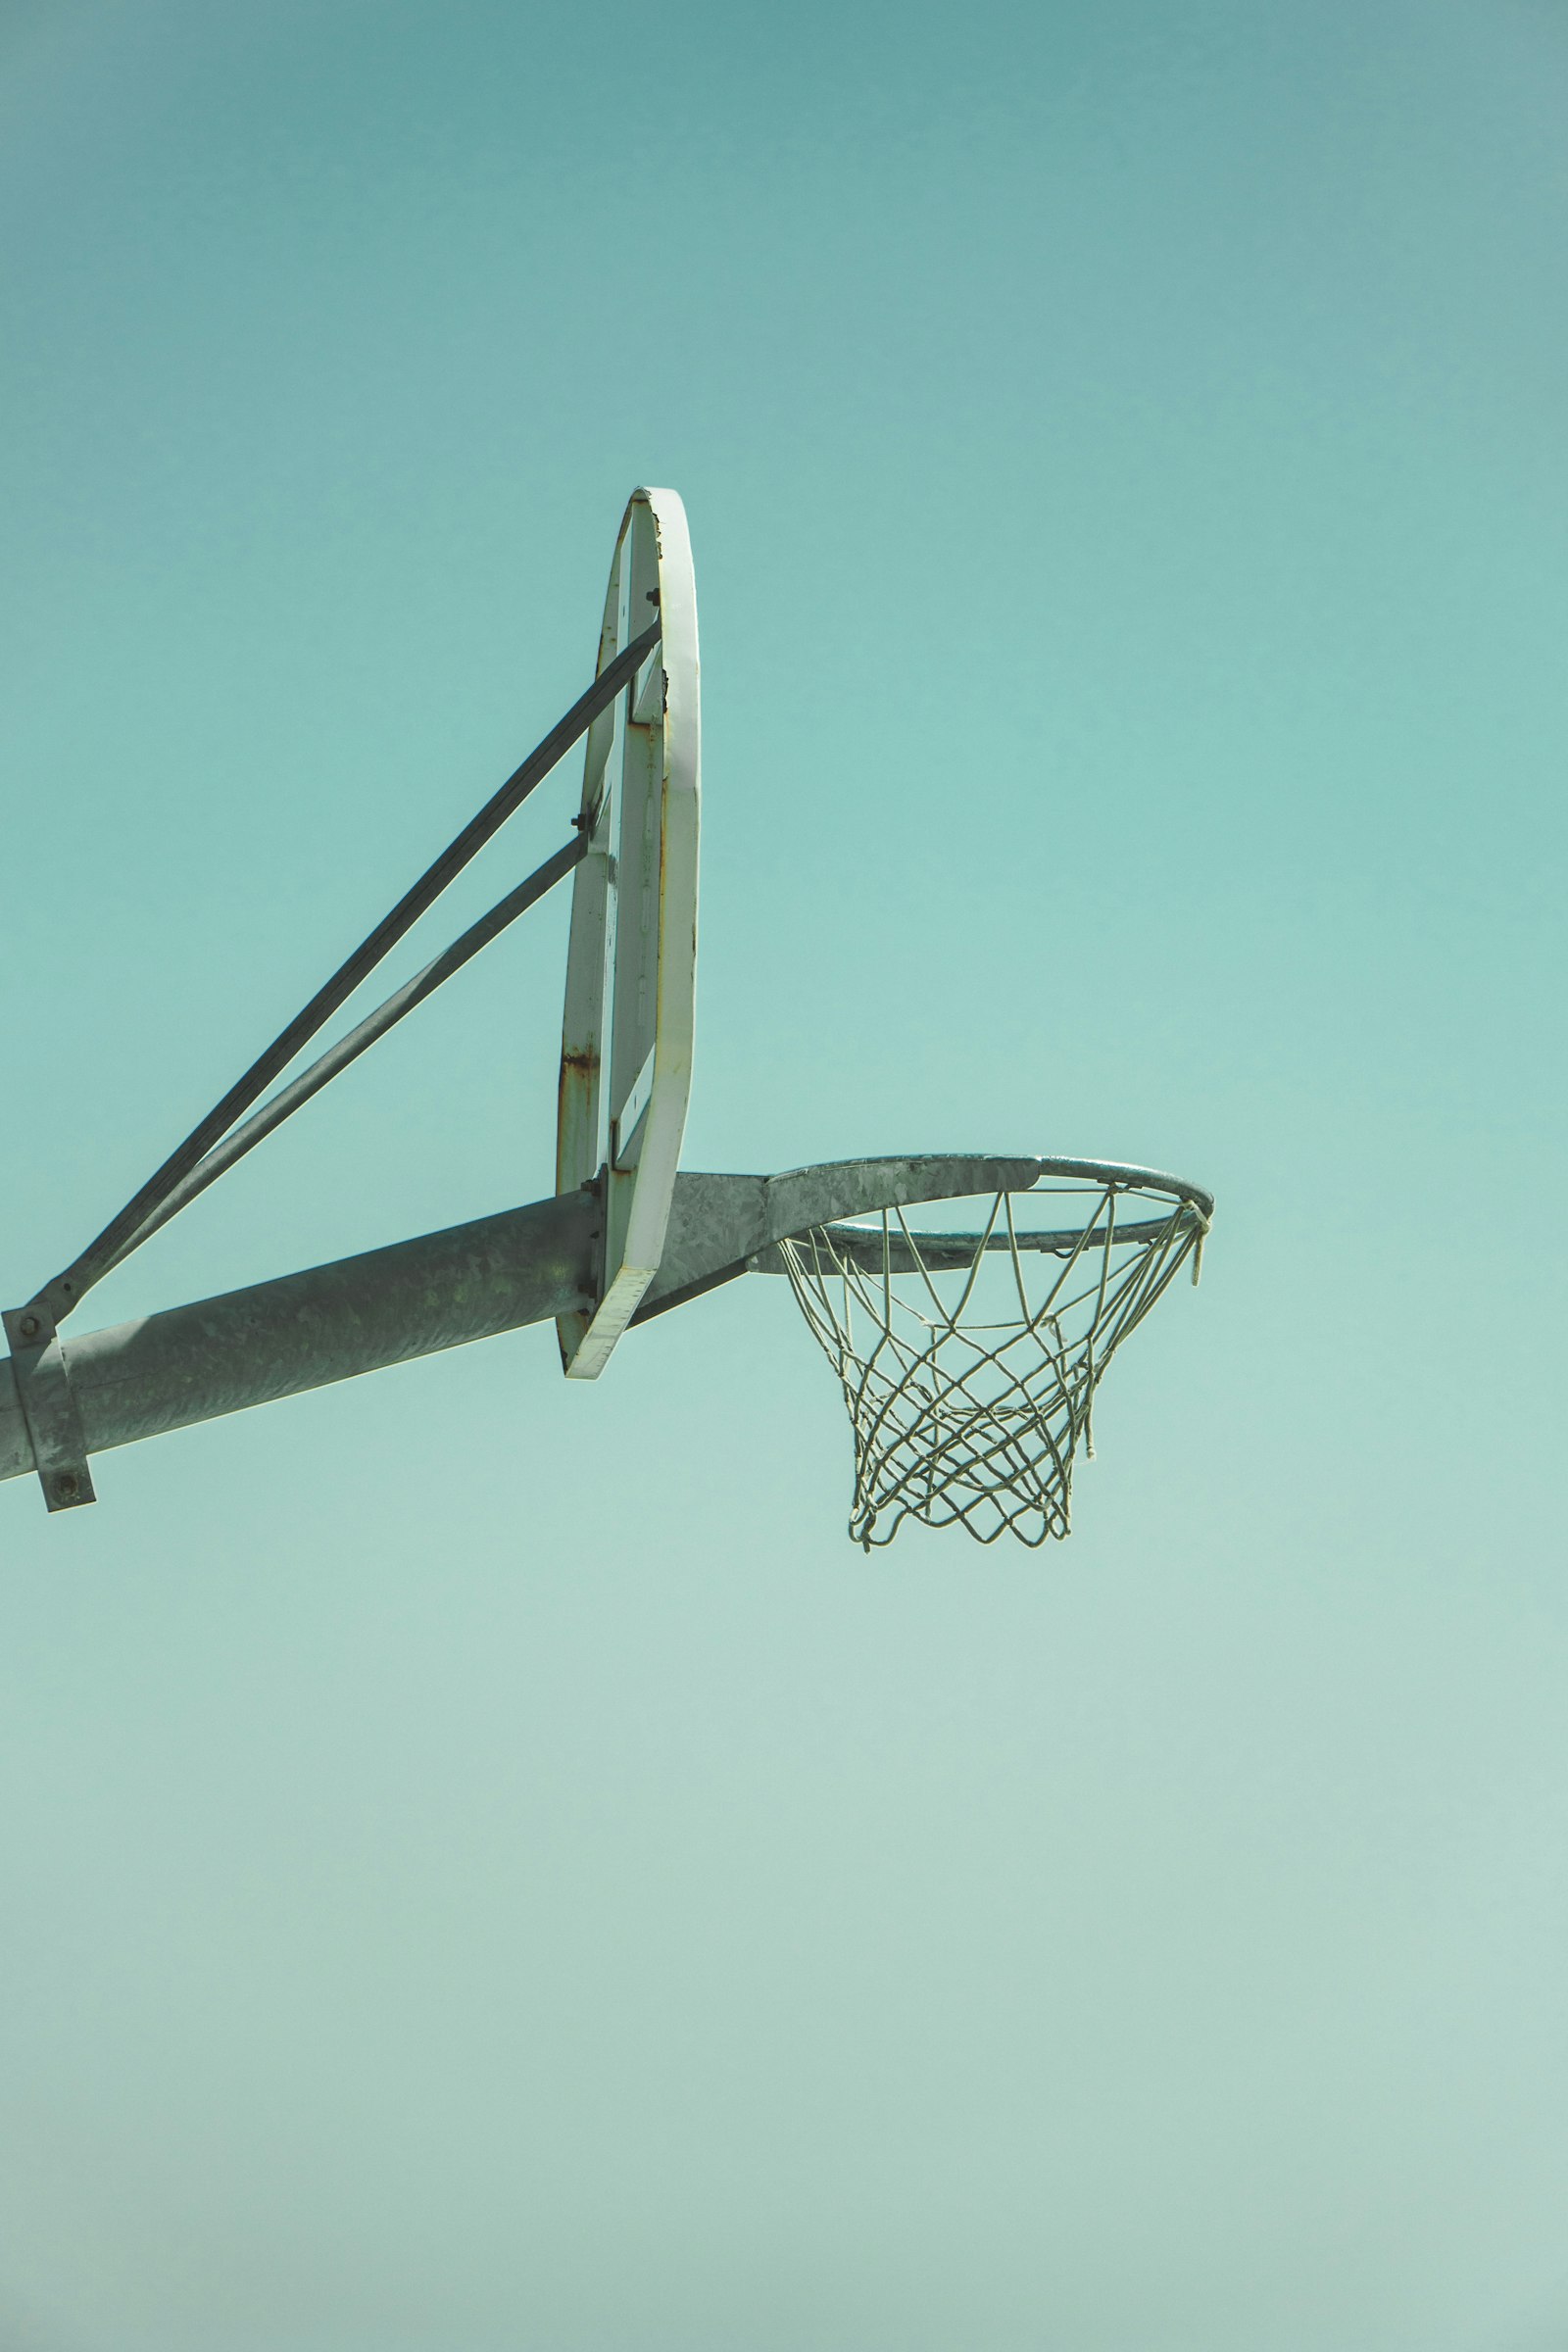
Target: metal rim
<point>1103,1175</point>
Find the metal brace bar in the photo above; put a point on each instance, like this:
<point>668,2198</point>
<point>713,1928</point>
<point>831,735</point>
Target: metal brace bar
<point>347,1049</point>
<point>67,1291</point>
<point>49,1408</point>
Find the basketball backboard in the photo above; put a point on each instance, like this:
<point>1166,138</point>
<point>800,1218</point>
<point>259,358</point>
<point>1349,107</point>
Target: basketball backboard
<point>969,1360</point>
<point>631,964</point>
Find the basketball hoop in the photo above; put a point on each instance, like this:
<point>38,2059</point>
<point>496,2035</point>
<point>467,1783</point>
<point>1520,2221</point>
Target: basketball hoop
<point>969,1361</point>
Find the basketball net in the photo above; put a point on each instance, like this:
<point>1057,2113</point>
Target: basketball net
<point>969,1362</point>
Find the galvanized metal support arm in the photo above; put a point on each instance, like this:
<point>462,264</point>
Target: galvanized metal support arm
<point>524,1265</point>
<point>724,1226</point>
<point>304,1330</point>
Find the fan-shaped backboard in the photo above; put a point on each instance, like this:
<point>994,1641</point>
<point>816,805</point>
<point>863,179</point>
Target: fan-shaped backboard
<point>631,965</point>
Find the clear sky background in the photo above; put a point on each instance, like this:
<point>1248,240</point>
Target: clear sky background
<point>485,1863</point>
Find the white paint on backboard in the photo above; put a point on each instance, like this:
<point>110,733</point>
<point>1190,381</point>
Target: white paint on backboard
<point>626,1137</point>
<point>631,965</point>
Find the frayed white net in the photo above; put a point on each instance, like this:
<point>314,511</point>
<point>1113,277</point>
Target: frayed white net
<point>969,1361</point>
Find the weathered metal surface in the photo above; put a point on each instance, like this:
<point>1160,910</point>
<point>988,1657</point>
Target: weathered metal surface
<point>330,1323</point>
<point>722,1226</point>
<point>631,967</point>
<point>47,1409</point>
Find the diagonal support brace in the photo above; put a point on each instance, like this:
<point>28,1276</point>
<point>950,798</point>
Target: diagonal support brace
<point>49,1408</point>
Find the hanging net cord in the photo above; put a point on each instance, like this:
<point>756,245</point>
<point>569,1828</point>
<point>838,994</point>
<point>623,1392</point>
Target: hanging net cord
<point>967,1397</point>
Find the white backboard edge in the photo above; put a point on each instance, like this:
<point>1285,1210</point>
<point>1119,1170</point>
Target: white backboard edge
<point>631,965</point>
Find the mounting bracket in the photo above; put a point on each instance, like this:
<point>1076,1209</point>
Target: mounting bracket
<point>49,1408</point>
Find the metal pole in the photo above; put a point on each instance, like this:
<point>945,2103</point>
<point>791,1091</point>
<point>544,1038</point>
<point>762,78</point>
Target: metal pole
<point>304,1330</point>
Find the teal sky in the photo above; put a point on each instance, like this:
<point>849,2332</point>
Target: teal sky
<point>486,1863</point>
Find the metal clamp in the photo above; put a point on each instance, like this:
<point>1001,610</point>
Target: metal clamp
<point>49,1408</point>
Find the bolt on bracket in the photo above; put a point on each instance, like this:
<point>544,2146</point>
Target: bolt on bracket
<point>49,1408</point>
